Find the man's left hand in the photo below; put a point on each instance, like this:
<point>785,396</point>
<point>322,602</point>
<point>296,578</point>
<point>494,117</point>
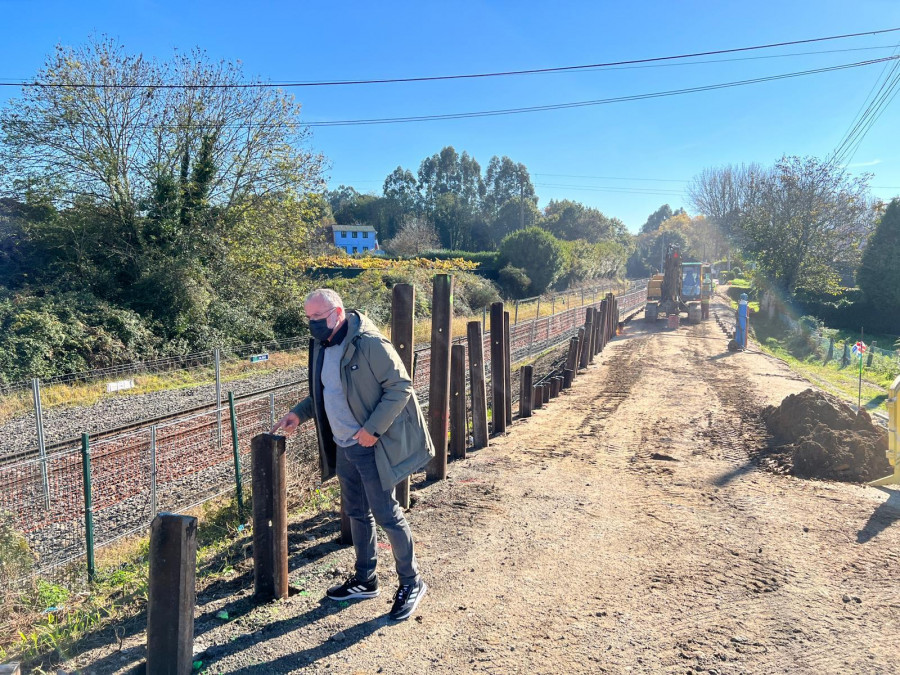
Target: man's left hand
<point>364,438</point>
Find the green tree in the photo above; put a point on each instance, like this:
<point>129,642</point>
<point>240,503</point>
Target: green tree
<point>879,272</point>
<point>570,220</point>
<point>537,252</point>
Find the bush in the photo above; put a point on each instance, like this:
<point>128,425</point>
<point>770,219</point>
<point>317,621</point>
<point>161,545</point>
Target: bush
<point>484,259</point>
<point>472,293</point>
<point>737,273</point>
<point>514,282</point>
<point>537,252</point>
<point>724,277</point>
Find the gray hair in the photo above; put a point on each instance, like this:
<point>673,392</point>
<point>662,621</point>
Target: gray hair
<point>326,294</point>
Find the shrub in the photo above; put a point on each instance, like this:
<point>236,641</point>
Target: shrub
<point>737,273</point>
<point>537,252</point>
<point>514,282</point>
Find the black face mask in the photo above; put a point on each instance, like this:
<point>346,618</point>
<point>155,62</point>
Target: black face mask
<point>319,329</point>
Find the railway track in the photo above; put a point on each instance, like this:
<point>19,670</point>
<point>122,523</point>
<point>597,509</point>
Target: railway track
<point>140,424</point>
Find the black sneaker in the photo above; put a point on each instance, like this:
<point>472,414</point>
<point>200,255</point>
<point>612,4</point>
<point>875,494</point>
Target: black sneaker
<point>353,588</point>
<point>407,599</point>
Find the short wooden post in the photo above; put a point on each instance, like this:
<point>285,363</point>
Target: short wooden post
<point>560,380</point>
<point>526,398</point>
<point>580,348</point>
<point>572,355</point>
<point>546,388</point>
<point>403,302</point>
<point>171,594</point>
<point>538,399</point>
<point>568,378</point>
<point>588,337</point>
<point>476,383</point>
<point>602,327</point>
<point>458,426</point>
<point>498,376</point>
<point>439,385</point>
<point>507,367</point>
<point>270,545</point>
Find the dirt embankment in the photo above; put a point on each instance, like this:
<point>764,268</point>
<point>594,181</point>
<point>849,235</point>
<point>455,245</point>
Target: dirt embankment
<point>819,436</point>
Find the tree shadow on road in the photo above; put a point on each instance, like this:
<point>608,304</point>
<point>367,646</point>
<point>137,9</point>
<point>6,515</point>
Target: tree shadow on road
<point>882,518</point>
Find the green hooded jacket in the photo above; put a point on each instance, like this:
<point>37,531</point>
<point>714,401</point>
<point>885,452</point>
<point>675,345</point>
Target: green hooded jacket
<point>381,397</point>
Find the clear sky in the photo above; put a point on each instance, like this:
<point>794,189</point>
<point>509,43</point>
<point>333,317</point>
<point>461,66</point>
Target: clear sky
<point>625,159</point>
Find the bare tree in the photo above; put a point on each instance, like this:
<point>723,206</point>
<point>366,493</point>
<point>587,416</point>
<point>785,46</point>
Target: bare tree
<point>416,236</point>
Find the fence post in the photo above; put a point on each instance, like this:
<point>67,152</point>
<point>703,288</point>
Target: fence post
<point>172,594</point>
<point>237,457</point>
<point>568,378</point>
<point>507,367</point>
<point>526,386</point>
<point>537,315</point>
<point>403,302</point>
<point>270,546</point>
<point>580,339</point>
<point>88,505</point>
<point>153,472</point>
<point>572,355</point>
<point>218,399</point>
<point>602,325</point>
<point>476,382</point>
<point>439,385</point>
<point>586,344</point>
<point>516,319</point>
<point>42,448</point>
<point>545,388</point>
<point>458,424</point>
<point>538,397</point>
<point>498,377</point>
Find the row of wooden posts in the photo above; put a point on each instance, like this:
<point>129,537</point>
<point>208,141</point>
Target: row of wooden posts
<point>173,538</point>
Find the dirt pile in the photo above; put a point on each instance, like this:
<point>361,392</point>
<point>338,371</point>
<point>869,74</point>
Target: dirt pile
<point>822,437</point>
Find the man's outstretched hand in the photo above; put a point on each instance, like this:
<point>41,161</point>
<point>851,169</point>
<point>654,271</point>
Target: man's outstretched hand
<point>288,424</point>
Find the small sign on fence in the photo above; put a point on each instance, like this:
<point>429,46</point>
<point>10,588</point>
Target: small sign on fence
<point>120,385</point>
<point>256,358</point>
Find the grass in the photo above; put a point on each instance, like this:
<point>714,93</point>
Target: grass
<point>46,623</point>
<point>840,381</point>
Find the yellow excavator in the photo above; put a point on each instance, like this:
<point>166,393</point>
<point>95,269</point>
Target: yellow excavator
<point>679,289</point>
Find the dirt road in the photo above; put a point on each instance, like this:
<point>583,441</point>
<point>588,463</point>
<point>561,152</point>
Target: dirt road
<point>624,528</point>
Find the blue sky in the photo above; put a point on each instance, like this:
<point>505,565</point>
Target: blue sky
<point>625,159</point>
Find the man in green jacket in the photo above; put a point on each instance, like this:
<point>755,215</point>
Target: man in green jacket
<point>371,434</point>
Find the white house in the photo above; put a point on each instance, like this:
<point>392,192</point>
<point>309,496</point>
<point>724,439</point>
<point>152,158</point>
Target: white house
<point>355,238</point>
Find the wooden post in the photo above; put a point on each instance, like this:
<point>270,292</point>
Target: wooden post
<point>568,378</point>
<point>602,327</point>
<point>403,302</point>
<point>458,427</point>
<point>526,398</point>
<point>572,355</point>
<point>507,368</point>
<point>270,546</point>
<point>580,348</point>
<point>439,386</point>
<point>538,400</point>
<point>498,377</point>
<point>476,382</point>
<point>588,344</point>
<point>171,594</point>
<point>546,391</point>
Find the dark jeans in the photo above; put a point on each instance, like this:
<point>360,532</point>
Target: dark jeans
<point>365,503</point>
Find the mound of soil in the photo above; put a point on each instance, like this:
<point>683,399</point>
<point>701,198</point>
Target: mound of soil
<point>822,437</point>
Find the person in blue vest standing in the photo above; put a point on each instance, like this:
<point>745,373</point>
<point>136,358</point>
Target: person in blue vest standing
<point>742,326</point>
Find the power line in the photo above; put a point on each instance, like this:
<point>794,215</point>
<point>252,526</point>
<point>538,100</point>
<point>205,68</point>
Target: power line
<point>483,113</point>
<point>569,175</point>
<point>606,101</point>
<point>434,78</point>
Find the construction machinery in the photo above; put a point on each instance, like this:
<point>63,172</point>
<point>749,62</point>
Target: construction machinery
<point>680,288</point>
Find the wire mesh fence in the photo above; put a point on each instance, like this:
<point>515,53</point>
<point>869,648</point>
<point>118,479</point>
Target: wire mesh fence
<point>180,463</point>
